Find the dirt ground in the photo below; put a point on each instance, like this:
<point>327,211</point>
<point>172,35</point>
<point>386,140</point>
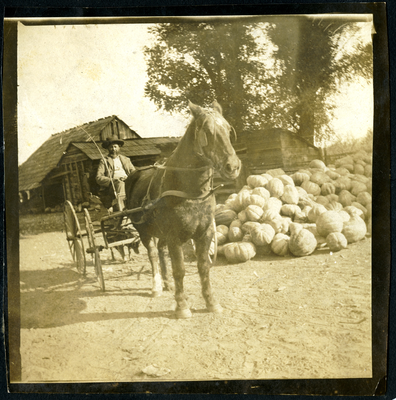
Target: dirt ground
<point>289,317</point>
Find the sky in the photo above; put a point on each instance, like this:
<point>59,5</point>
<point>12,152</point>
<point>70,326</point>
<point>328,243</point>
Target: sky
<point>69,75</point>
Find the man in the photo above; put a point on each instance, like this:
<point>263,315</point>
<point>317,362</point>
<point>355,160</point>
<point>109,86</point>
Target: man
<point>112,173</point>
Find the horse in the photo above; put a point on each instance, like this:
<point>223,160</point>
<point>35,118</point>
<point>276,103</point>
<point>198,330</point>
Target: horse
<point>178,202</point>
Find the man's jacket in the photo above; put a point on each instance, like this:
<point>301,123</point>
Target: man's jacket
<point>104,173</point>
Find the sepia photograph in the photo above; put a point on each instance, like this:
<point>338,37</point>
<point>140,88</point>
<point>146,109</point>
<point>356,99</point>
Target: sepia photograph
<point>194,199</point>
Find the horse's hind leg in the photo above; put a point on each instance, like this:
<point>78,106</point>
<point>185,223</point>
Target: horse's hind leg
<point>202,251</point>
<point>168,285</point>
<point>151,246</point>
<point>176,255</point>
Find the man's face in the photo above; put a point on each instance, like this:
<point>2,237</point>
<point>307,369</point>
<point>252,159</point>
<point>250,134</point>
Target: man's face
<point>114,149</point>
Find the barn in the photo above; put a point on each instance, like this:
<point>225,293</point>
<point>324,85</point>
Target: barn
<point>64,167</point>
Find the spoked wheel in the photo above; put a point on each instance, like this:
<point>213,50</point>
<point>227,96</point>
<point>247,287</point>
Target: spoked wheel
<point>74,237</point>
<point>94,250</point>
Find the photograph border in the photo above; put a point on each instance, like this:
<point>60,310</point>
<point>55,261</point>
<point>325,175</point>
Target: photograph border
<point>381,243</point>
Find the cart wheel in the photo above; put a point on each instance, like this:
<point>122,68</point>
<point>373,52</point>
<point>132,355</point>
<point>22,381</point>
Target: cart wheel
<point>95,250</point>
<point>74,237</point>
<point>213,246</point>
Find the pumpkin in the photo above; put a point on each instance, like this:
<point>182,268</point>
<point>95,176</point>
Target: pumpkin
<point>256,200</point>
<point>344,215</point>
<point>349,167</point>
<point>342,183</point>
<point>249,225</point>
<point>311,188</point>
<point>275,187</point>
<point>242,200</point>
<point>254,213</point>
<point>302,243</point>
<point>332,174</point>
<point>247,238</point>
<point>355,229</point>
<point>280,224</point>
<point>346,198</point>
<point>242,216</point>
<point>235,234</point>
<point>360,207</point>
<point>368,159</point>
<point>262,234</point>
<point>290,195</point>
<point>225,217</point>
<point>336,241</point>
<point>290,210</point>
<point>368,170</point>
<point>295,228</point>
<point>333,197</point>
<point>280,244</point>
<point>273,204</point>
<point>329,222</point>
<point>305,171</point>
<point>318,164</point>
<point>299,178</point>
<point>334,206</point>
<point>360,178</point>
<point>324,201</point>
<point>313,229</point>
<point>320,178</point>
<point>286,180</point>
<point>315,211</point>
<point>260,191</point>
<point>327,188</point>
<point>301,192</point>
<point>256,181</point>
<point>343,171</point>
<point>276,172</point>
<point>352,211</point>
<point>239,252</point>
<point>358,169</point>
<point>269,215</point>
<point>344,160</point>
<point>221,234</point>
<point>267,176</point>
<point>237,223</point>
<point>360,162</point>
<point>358,187</point>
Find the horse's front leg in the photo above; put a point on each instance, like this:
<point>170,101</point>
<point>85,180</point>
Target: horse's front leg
<point>178,269</point>
<point>202,251</point>
<point>151,246</point>
<point>168,285</point>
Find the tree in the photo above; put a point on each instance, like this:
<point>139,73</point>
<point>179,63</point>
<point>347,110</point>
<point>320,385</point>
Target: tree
<point>316,57</point>
<point>206,61</point>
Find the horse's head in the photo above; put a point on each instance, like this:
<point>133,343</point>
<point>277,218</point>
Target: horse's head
<point>213,140</point>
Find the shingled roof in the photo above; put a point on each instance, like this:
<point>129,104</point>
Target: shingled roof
<point>47,156</point>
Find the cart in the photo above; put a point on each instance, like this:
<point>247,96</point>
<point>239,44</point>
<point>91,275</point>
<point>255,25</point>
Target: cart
<point>116,229</point>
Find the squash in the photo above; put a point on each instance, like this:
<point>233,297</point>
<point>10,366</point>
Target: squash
<point>324,201</point>
<point>311,188</point>
<point>237,223</point>
<point>346,198</point>
<point>302,243</point>
<point>256,181</point>
<point>315,211</point>
<point>273,204</point>
<point>344,160</point>
<point>358,187</point>
<point>299,178</point>
<point>313,229</point>
<point>327,188</point>
<point>248,226</point>
<point>344,215</point>
<point>262,234</point>
<point>267,176</point>
<point>280,224</point>
<point>242,216</point>
<point>336,241</point>
<point>235,234</point>
<point>239,252</point>
<point>342,183</point>
<point>264,193</point>
<point>333,197</point>
<point>295,228</point>
<point>275,187</point>
<point>256,200</point>
<point>242,200</point>
<point>320,178</point>
<point>329,222</point>
<point>343,171</point>
<point>286,180</point>
<point>290,195</point>
<point>364,198</point>
<point>360,178</point>
<point>352,210</point>
<point>334,206</point>
<point>355,229</point>
<point>225,217</point>
<point>368,170</point>
<point>360,207</point>
<point>332,174</point>
<point>358,169</point>
<point>254,213</point>
<point>221,234</point>
<point>276,172</point>
<point>269,215</point>
<point>290,210</point>
<point>318,164</point>
<point>349,167</point>
<point>280,244</point>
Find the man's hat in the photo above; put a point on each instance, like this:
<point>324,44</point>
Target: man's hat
<point>111,140</point>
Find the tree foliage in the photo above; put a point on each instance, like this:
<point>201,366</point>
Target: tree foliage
<point>264,75</point>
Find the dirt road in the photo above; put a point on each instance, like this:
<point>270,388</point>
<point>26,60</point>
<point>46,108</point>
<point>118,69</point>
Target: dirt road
<point>290,317</point>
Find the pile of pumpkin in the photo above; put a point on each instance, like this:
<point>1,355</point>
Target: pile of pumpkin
<point>295,214</point>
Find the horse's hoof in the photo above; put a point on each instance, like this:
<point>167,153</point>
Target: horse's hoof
<point>185,313</point>
<point>156,293</point>
<point>217,309</point>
